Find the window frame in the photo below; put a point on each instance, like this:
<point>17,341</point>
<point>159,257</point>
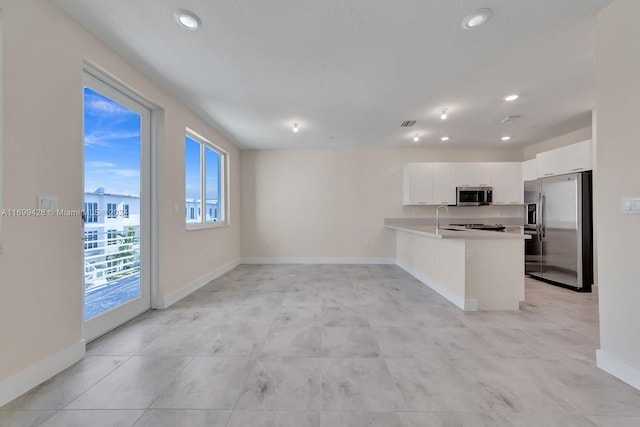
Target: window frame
<point>223,176</point>
<point>90,212</point>
<point>112,210</point>
<point>90,239</point>
<point>112,237</point>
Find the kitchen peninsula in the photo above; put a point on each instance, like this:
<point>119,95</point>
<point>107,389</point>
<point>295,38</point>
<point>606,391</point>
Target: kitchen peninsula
<point>474,269</point>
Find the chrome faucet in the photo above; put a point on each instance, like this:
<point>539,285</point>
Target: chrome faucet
<point>438,217</point>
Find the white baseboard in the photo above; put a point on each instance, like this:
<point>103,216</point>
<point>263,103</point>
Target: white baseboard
<point>302,260</point>
<point>23,381</point>
<point>464,304</point>
<point>618,369</point>
<point>175,296</point>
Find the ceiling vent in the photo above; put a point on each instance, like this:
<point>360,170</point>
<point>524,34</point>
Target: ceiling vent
<point>408,123</point>
<point>511,118</point>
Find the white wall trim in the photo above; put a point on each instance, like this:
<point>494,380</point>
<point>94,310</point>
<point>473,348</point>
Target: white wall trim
<point>167,300</point>
<point>302,260</point>
<point>464,304</point>
<point>618,369</point>
<point>23,381</point>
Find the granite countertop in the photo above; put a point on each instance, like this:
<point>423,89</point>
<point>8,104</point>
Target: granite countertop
<point>454,232</point>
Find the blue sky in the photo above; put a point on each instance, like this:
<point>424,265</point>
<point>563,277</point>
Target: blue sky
<point>111,146</point>
<point>112,151</point>
<point>193,170</point>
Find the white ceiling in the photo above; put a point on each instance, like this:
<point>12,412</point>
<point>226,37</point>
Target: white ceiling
<point>355,69</point>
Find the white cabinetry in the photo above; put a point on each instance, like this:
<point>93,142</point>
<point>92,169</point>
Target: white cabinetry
<point>507,183</point>
<point>435,183</point>
<point>444,184</point>
<point>472,174</point>
<point>572,158</point>
<point>418,184</point>
<point>484,174</point>
<point>529,170</point>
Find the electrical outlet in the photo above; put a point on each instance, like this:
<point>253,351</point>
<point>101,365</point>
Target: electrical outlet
<point>366,243</point>
<point>267,243</point>
<point>211,256</point>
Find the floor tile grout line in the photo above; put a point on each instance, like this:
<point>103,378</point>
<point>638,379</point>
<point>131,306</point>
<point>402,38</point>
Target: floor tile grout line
<point>180,371</point>
<point>99,380</point>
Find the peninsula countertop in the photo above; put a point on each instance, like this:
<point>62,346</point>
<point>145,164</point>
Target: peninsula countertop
<point>454,232</point>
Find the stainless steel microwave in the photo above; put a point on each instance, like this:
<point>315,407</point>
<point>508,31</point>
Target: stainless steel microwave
<point>474,196</point>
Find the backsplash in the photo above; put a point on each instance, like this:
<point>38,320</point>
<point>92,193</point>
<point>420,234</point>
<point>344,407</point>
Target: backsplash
<point>465,214</point>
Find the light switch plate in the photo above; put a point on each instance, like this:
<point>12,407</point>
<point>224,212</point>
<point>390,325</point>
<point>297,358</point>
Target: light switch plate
<point>630,205</point>
<point>47,202</point>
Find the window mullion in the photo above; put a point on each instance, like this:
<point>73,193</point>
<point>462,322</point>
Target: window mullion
<point>203,184</point>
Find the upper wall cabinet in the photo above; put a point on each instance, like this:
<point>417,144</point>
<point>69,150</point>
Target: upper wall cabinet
<point>418,184</point>
<point>507,183</point>
<point>530,170</point>
<point>444,184</point>
<point>472,174</point>
<point>429,184</point>
<point>572,158</point>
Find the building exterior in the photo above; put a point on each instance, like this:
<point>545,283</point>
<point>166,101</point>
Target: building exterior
<point>111,237</point>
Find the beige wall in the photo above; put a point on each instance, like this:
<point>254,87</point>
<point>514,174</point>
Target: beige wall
<point>618,152</point>
<point>330,203</point>
<point>41,263</point>
<point>557,142</point>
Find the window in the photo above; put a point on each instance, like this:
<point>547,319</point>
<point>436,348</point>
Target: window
<point>91,239</point>
<point>112,210</point>
<point>205,182</point>
<point>125,210</point>
<point>90,212</point>
<point>112,235</point>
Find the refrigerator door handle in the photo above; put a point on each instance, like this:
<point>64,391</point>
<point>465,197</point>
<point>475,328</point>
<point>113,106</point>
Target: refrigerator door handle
<point>539,218</point>
<point>543,225</point>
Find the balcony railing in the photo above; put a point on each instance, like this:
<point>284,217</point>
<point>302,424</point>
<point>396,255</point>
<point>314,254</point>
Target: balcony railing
<point>109,258</point>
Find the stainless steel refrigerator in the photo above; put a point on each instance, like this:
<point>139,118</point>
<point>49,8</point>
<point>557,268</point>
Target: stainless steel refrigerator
<point>559,220</point>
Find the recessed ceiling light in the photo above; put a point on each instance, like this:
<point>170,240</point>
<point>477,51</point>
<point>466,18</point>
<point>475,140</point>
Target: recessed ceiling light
<point>505,138</point>
<point>295,128</point>
<point>510,98</point>
<point>476,19</point>
<point>445,139</point>
<point>416,138</point>
<point>443,116</point>
<point>187,19</point>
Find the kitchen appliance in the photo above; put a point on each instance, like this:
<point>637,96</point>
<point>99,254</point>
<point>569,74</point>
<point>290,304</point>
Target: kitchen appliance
<point>559,219</point>
<point>474,196</point>
<point>485,227</point>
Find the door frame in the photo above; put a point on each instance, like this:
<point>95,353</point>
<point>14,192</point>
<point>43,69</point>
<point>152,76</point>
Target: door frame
<point>150,163</point>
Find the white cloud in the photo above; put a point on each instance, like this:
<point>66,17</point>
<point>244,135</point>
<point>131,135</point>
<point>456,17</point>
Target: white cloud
<point>98,106</point>
<point>125,173</point>
<point>103,139</point>
<point>100,165</point>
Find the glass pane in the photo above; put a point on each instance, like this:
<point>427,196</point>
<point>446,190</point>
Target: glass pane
<point>193,181</point>
<point>213,161</point>
<point>112,180</point>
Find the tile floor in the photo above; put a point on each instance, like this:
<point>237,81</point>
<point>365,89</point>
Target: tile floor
<point>338,345</point>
